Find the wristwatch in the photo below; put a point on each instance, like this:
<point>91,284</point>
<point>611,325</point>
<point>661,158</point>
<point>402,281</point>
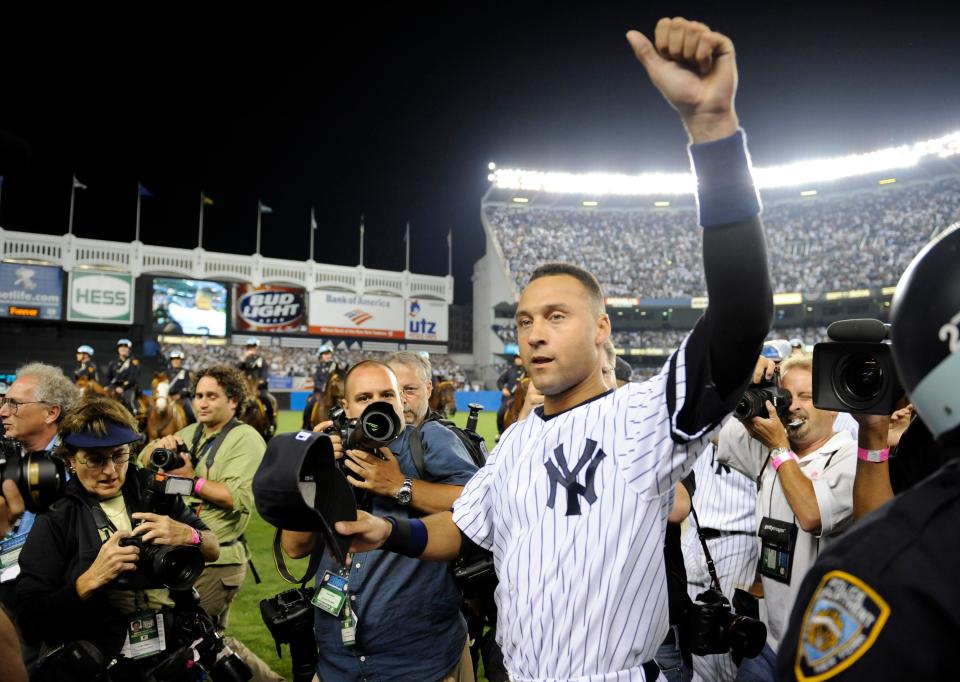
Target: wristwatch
<point>405,494</point>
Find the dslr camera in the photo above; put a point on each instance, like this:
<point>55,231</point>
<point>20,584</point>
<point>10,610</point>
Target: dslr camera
<point>854,370</point>
<point>753,402</point>
<point>289,617</point>
<point>40,476</point>
<point>167,460</point>
<point>176,568</point>
<point>377,427</point>
<point>711,626</point>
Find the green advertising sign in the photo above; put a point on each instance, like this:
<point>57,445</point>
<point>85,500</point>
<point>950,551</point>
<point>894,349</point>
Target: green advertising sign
<point>100,297</point>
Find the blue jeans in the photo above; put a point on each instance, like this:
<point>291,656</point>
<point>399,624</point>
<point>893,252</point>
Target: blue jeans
<point>763,668</point>
<point>670,661</point>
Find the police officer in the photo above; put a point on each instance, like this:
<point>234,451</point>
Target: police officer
<point>883,604</point>
<point>123,373</point>
<point>181,383</point>
<point>507,384</point>
<point>254,367</point>
<point>85,368</point>
<point>326,369</point>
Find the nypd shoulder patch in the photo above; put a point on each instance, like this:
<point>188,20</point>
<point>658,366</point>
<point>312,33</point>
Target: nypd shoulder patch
<point>842,622</point>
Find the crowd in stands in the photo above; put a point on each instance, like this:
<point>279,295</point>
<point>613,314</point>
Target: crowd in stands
<point>817,244</point>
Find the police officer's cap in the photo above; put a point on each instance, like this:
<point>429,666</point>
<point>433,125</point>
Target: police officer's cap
<point>796,343</point>
<point>125,342</point>
<point>85,349</point>
<point>326,348</point>
<point>253,341</point>
<point>176,354</point>
<point>925,331</point>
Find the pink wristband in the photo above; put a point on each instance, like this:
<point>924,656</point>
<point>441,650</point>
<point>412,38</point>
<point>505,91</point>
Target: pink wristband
<point>198,485</point>
<point>196,537</point>
<point>875,456</point>
<point>777,460</point>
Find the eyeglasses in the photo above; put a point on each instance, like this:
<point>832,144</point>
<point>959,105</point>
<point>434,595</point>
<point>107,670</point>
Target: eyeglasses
<point>13,404</point>
<point>100,461</point>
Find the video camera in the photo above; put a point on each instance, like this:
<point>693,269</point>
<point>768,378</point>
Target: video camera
<point>854,371</point>
<point>176,568</point>
<point>289,617</point>
<point>40,476</point>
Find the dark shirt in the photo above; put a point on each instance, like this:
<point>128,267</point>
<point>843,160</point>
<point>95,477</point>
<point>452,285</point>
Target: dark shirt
<point>85,370</point>
<point>510,377</point>
<point>123,373</point>
<point>884,604</point>
<point>408,611</point>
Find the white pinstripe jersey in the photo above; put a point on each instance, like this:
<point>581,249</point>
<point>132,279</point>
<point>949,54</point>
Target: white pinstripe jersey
<point>725,499</point>
<point>582,593</point>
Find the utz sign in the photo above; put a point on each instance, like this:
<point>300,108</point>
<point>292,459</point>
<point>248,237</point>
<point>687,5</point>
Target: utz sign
<point>426,320</point>
<point>269,308</point>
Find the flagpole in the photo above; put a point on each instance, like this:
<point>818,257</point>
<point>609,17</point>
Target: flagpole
<point>73,194</point>
<point>361,239</point>
<point>449,252</point>
<point>200,228</point>
<point>259,214</point>
<point>137,236</point>
<point>313,230</point>
<point>407,239</point>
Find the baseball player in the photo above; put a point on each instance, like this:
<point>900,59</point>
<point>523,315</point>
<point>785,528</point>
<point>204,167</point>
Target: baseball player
<point>573,501</point>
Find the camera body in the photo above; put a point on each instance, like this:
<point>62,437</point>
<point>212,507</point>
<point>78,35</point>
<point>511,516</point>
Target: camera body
<point>40,476</point>
<point>167,460</point>
<point>854,371</point>
<point>753,402</point>
<point>712,627</point>
<point>162,565</point>
<point>289,617</point>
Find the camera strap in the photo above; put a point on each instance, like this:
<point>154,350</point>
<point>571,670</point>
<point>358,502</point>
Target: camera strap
<point>212,444</point>
<point>711,567</point>
<point>312,567</point>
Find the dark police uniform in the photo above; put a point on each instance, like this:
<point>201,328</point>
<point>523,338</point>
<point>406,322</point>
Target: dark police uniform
<point>255,367</point>
<point>509,379</point>
<point>325,370</point>
<point>181,385</point>
<point>884,602</point>
<point>86,370</point>
<point>125,374</point>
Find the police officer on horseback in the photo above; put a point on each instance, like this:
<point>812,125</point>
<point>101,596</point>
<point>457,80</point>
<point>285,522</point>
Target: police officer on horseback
<point>255,368</point>
<point>181,383</point>
<point>123,374</point>
<point>85,369</point>
<point>325,370</point>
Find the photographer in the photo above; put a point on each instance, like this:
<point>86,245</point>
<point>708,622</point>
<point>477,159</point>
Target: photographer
<point>221,455</point>
<point>76,551</point>
<point>408,622</point>
<point>31,412</point>
<point>806,472</point>
<point>11,665</point>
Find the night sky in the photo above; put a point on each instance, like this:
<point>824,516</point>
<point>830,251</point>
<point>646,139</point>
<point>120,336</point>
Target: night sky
<point>395,112</point>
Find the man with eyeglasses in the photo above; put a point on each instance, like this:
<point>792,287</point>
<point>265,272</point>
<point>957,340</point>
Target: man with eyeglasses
<point>221,455</point>
<point>31,413</point>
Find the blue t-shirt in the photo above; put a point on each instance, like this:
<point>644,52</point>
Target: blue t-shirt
<point>409,625</point>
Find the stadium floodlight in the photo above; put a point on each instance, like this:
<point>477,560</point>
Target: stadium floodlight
<point>809,172</point>
<point>591,204</point>
<point>492,177</point>
<point>808,193</point>
<point>521,200</point>
<point>661,204</point>
<point>491,166</point>
<point>887,181</point>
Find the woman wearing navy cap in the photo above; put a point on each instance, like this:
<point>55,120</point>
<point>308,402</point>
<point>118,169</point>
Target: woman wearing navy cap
<point>73,555</point>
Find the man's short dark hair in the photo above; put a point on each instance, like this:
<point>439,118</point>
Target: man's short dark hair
<point>585,277</point>
<point>359,365</point>
<point>233,381</point>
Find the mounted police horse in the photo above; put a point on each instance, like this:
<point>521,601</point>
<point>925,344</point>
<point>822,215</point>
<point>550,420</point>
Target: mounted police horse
<point>166,415</point>
<point>330,398</point>
<point>253,412</point>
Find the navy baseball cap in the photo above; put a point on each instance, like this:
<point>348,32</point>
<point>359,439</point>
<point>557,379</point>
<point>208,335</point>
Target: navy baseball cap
<point>116,434</point>
<point>623,371</point>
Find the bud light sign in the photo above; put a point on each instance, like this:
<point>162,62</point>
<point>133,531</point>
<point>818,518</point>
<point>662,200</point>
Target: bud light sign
<point>426,320</point>
<point>269,308</point>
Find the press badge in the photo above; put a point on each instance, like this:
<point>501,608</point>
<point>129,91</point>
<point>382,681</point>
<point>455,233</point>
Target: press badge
<point>348,627</point>
<point>332,593</point>
<point>145,636</point>
<point>778,540</point>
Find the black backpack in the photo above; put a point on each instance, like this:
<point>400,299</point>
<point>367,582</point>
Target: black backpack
<point>472,441</point>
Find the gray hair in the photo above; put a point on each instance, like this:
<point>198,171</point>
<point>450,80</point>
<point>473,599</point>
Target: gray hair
<point>53,386</point>
<point>415,360</point>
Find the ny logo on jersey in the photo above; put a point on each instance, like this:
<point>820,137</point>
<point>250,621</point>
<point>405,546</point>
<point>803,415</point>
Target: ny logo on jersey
<point>560,474</point>
<point>720,467</point>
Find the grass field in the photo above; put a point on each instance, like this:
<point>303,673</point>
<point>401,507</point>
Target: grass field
<point>245,622</point>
